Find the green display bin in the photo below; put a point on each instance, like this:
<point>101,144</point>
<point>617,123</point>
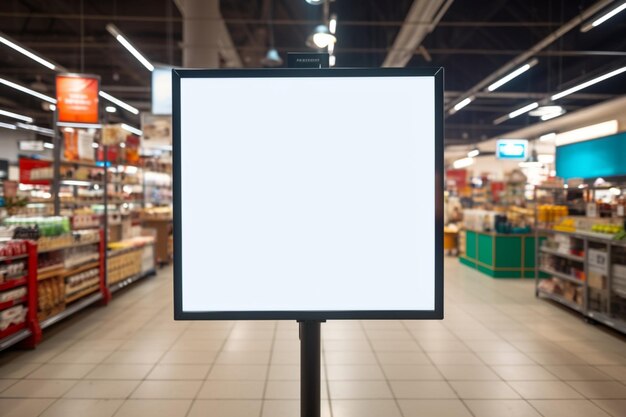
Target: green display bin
<point>500,255</point>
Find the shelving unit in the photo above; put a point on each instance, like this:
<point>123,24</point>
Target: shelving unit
<point>597,297</point>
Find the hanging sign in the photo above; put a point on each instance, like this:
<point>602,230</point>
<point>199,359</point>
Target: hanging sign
<point>77,98</point>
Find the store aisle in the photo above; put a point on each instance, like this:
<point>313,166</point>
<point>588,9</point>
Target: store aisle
<point>499,352</point>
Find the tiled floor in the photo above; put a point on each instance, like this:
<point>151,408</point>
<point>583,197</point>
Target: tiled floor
<point>499,352</point>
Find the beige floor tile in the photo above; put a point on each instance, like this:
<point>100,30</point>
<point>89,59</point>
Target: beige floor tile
<point>505,358</point>
<point>578,373</point>
<point>168,390</point>
<point>568,408</point>
<point>154,408</point>
<point>283,390</point>
<point>244,390</point>
<point>412,372</point>
<point>285,357</point>
<point>438,408</point>
<point>399,358</point>
<point>284,372</point>
<point>102,389</point>
<point>616,408</point>
<point>352,358</point>
<point>501,408</point>
<point>119,371</point>
<point>238,372</point>
<point>556,358</point>
<point>61,371</point>
<point>354,372</point>
<point>365,408</point>
<point>523,373</point>
<point>545,390</point>
<point>454,358</point>
<point>38,388</point>
<point>17,370</point>
<point>600,389</point>
<point>395,346</point>
<point>354,390</point>
<point>468,372</point>
<point>289,408</point>
<point>225,408</point>
<point>243,345</point>
<point>346,345</point>
<point>243,358</point>
<point>6,383</point>
<point>422,390</point>
<point>617,372</point>
<point>206,345</point>
<point>19,408</point>
<point>138,357</point>
<point>484,390</point>
<point>81,356</point>
<point>179,372</point>
<point>438,345</point>
<point>82,408</point>
<point>189,357</point>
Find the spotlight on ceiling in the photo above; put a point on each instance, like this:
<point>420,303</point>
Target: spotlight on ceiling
<point>272,59</point>
<point>321,38</point>
<point>315,2</point>
<point>547,112</point>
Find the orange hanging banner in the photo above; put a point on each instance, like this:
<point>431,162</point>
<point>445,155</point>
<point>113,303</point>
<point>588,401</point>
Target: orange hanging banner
<point>77,98</point>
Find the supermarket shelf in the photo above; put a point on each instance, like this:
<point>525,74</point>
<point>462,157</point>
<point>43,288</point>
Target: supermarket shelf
<point>563,255</point>
<point>85,183</point>
<point>49,273</point>
<point>560,299</point>
<point>14,338</point>
<point>82,293</point>
<point>13,283</point>
<point>73,245</point>
<point>81,263</point>
<point>606,320</point>
<point>76,307</point>
<point>125,282</point>
<point>591,236</point>
<point>13,258</point>
<point>86,164</point>
<point>84,267</point>
<point>8,304</point>
<point>566,277</point>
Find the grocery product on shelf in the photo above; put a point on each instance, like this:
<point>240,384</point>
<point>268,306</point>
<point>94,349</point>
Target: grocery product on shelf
<point>12,315</point>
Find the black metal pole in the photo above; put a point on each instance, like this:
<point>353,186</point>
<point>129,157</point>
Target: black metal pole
<point>310,365</point>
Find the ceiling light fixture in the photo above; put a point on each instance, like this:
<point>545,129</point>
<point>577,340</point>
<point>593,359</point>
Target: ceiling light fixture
<point>8,126</point>
<point>11,44</point>
<point>70,125</point>
<point>131,129</point>
<point>458,106</point>
<point>588,83</point>
<point>119,102</point>
<point>603,18</point>
<point>332,24</point>
<point>272,59</point>
<point>547,137</point>
<point>523,110</point>
<point>315,2</point>
<point>551,115</point>
<point>463,163</point>
<point>16,116</point>
<point>113,30</point>
<point>110,109</point>
<point>42,130</point>
<point>512,75</point>
<point>320,38</point>
<point>332,60</point>
<point>473,153</point>
<point>586,133</point>
<point>27,91</point>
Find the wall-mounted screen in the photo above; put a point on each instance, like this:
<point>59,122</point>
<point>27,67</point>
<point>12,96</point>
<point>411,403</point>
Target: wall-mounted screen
<point>515,149</point>
<point>308,194</point>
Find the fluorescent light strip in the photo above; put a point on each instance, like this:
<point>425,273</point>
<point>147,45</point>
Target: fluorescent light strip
<point>131,129</point>
<point>473,153</point>
<point>113,30</point>
<point>8,126</point>
<point>80,125</point>
<point>41,130</point>
<point>547,137</point>
<point>603,18</point>
<point>458,106</point>
<point>586,133</point>
<point>48,145</point>
<point>332,25</point>
<point>551,116</point>
<point>76,182</point>
<point>119,102</point>
<point>27,91</point>
<point>5,40</point>
<point>463,163</point>
<point>16,116</point>
<point>588,83</point>
<point>512,75</point>
<point>523,110</point>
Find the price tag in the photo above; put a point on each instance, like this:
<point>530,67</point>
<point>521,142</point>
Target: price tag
<point>620,210</point>
<point>592,210</point>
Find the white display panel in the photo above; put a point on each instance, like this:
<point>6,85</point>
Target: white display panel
<point>307,194</point>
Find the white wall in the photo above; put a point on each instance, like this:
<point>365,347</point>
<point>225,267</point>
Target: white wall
<point>9,148</point>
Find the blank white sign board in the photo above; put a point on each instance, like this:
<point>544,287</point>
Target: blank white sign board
<point>307,194</point>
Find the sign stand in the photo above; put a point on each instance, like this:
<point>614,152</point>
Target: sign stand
<point>310,368</point>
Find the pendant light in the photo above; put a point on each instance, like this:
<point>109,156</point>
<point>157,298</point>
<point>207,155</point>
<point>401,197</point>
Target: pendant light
<point>272,58</point>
